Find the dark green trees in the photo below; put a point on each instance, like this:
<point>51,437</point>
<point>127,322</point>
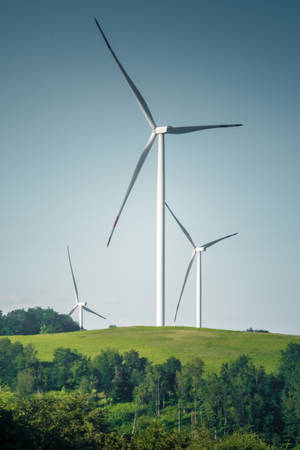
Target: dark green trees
<point>35,321</point>
<point>15,362</point>
<point>117,375</point>
<point>69,369</point>
<point>289,370</point>
<point>253,398</point>
<point>241,397</point>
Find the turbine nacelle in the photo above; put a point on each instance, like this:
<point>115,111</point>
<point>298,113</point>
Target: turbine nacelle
<point>82,303</point>
<point>200,249</point>
<point>162,130</point>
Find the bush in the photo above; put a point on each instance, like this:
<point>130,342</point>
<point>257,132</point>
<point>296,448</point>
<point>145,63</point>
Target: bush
<point>242,441</point>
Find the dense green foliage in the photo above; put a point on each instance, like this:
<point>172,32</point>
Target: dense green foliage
<point>125,401</point>
<point>289,370</point>
<point>76,421</point>
<point>214,347</point>
<point>35,321</point>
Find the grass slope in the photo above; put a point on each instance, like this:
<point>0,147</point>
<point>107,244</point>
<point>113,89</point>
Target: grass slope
<point>158,344</point>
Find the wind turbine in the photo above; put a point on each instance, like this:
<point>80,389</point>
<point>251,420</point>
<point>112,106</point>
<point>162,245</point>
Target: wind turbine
<point>78,303</point>
<point>160,203</point>
<point>196,251</point>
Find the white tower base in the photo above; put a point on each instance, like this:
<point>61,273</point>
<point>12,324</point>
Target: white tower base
<point>199,292</point>
<point>160,235</point>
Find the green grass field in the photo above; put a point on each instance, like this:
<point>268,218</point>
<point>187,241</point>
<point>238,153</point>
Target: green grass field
<point>158,344</point>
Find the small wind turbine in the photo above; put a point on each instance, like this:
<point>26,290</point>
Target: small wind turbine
<point>197,251</point>
<point>160,202</point>
<point>79,304</point>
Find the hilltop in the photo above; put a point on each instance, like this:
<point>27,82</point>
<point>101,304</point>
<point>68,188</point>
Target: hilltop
<point>158,344</point>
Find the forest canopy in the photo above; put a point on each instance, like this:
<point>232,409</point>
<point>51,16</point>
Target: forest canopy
<point>127,398</point>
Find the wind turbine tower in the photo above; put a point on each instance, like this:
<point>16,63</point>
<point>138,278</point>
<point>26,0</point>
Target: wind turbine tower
<point>159,131</point>
<point>197,251</point>
<point>78,304</point>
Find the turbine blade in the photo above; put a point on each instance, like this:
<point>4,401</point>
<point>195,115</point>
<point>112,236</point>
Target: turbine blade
<point>141,101</point>
<point>74,282</point>
<point>72,310</point>
<point>137,169</point>
<point>190,129</point>
<point>209,244</point>
<point>181,226</point>
<point>93,312</point>
<point>184,282</point>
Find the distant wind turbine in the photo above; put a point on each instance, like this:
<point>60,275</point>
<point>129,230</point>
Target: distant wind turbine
<point>197,251</point>
<point>160,202</point>
<point>79,304</point>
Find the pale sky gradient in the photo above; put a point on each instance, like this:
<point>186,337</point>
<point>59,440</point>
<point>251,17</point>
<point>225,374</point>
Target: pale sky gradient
<point>71,133</point>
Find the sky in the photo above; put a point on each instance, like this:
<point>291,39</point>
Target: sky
<point>71,133</point>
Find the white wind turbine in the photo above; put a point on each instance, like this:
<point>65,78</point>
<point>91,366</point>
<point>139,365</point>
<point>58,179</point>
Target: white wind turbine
<point>197,251</point>
<point>78,303</point>
<point>160,209</point>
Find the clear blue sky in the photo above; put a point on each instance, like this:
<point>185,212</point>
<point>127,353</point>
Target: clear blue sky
<point>71,133</point>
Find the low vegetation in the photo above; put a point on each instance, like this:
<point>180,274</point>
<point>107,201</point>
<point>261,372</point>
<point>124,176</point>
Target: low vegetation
<point>214,347</point>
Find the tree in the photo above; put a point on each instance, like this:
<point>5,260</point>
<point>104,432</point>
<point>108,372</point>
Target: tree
<point>53,322</point>
<point>148,392</point>
<point>289,362</point>
<point>192,385</point>
<point>214,409</point>
<point>15,434</point>
<point>9,355</point>
<point>167,372</point>
<point>35,321</point>
<point>69,367</point>
<point>25,382</point>
<point>121,389</point>
<point>70,421</point>
<point>155,437</point>
<point>253,397</point>
<point>2,324</point>
<point>18,322</point>
<point>241,441</point>
<point>289,370</point>
<point>135,367</point>
<point>104,369</point>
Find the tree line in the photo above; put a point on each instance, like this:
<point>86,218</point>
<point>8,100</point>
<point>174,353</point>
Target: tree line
<point>126,395</point>
<point>73,421</point>
<point>35,321</point>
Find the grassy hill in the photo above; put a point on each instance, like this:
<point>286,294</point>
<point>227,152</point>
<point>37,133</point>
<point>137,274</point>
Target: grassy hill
<point>158,344</point>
